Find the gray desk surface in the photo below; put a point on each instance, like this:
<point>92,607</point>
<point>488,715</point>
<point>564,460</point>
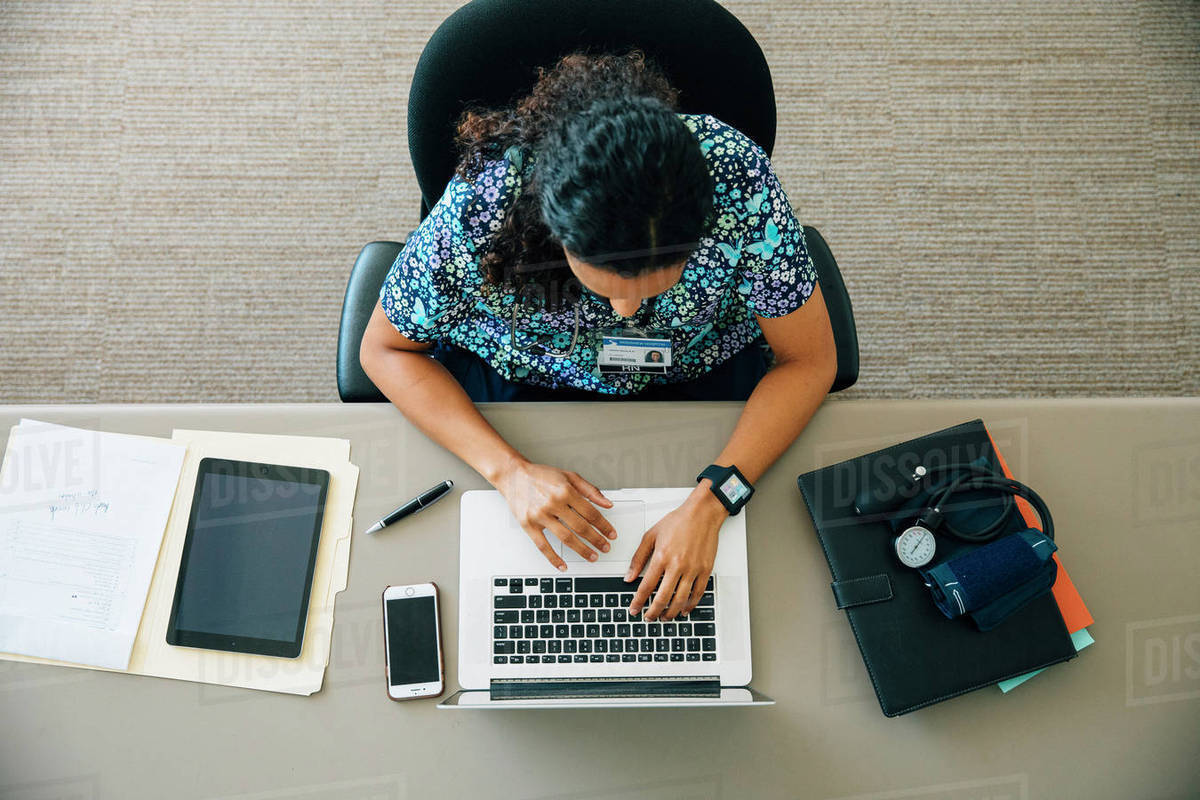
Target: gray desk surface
<point>1122,720</point>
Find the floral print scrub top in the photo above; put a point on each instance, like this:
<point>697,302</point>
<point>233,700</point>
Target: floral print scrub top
<point>751,261</point>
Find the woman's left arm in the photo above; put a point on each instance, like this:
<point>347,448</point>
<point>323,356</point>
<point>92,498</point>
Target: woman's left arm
<point>680,550</point>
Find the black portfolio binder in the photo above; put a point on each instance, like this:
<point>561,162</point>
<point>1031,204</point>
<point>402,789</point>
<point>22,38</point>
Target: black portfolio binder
<point>914,654</point>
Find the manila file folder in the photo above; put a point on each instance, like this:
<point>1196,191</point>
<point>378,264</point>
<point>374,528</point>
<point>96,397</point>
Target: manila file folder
<point>302,675</point>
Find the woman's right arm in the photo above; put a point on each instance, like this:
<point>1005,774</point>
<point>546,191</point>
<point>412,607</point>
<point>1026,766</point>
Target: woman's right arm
<point>540,496</point>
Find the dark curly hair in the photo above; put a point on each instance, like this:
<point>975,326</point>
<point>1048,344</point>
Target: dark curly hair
<point>618,179</point>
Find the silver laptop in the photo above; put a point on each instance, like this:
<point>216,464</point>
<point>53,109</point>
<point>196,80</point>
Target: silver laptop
<point>530,636</point>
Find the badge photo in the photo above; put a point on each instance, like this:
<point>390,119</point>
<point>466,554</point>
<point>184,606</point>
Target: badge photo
<point>633,354</point>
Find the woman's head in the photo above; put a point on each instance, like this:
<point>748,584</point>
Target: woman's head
<point>624,187</point>
<point>620,192</point>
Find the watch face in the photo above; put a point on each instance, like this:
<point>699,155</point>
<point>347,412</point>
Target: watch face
<point>734,490</point>
<point>915,547</point>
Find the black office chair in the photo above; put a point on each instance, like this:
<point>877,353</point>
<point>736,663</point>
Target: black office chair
<point>486,54</point>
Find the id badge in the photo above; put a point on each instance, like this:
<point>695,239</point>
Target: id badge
<point>632,353</point>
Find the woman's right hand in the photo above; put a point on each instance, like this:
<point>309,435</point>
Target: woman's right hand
<point>544,498</point>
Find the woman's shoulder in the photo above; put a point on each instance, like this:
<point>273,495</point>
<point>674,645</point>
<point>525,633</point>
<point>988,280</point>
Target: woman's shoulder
<point>481,201</point>
<point>754,227</point>
<point>737,163</point>
<point>722,142</point>
<point>443,254</point>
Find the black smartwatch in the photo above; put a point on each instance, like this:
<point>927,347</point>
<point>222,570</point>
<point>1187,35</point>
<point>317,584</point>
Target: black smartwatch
<point>729,485</point>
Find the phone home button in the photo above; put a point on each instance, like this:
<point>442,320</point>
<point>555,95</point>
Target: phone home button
<point>409,592</point>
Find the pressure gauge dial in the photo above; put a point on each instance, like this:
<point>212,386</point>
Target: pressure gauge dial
<point>915,547</point>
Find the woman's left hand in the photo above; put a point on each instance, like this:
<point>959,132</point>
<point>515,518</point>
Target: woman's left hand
<point>679,551</point>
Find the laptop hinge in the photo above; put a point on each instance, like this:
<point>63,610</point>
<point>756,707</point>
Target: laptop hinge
<point>572,688</point>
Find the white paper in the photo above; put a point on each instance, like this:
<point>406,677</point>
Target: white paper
<point>82,516</point>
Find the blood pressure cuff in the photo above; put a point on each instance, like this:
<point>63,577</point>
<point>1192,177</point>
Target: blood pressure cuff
<point>992,581</point>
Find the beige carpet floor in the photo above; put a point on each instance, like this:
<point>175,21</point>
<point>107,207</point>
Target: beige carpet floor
<point>1011,189</point>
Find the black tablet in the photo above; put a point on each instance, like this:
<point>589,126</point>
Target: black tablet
<point>248,559</point>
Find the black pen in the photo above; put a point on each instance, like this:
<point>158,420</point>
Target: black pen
<point>423,500</point>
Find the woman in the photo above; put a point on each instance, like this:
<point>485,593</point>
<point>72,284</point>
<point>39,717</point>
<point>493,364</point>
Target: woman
<point>584,227</point>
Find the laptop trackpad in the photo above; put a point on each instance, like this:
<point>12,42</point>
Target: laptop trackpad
<point>629,519</point>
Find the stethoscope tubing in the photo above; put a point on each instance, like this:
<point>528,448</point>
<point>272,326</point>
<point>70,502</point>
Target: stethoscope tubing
<point>512,337</point>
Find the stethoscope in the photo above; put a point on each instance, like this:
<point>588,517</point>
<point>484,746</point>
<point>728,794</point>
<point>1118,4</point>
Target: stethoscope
<point>541,349</point>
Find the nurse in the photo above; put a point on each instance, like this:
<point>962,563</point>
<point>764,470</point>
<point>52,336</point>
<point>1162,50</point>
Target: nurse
<point>586,228</point>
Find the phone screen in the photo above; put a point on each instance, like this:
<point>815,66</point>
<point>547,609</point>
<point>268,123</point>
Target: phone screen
<point>412,641</point>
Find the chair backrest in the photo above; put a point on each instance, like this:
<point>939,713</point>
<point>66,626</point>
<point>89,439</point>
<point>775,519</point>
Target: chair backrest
<point>486,53</point>
<point>362,295</point>
<point>837,303</point>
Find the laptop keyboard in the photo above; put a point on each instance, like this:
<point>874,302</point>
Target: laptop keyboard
<point>553,620</point>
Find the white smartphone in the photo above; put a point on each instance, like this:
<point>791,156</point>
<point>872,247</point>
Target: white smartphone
<point>412,641</point>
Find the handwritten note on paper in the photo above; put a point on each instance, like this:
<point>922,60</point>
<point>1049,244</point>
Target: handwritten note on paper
<point>82,515</point>
<point>78,504</point>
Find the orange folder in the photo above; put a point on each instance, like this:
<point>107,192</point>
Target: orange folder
<point>1070,604</point>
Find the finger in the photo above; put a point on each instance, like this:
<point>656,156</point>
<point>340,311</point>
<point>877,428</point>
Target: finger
<point>663,595</point>
<point>640,555</point>
<point>588,490</point>
<point>683,595</point>
<point>570,539</point>
<point>539,539</point>
<point>698,591</point>
<point>580,526</point>
<point>653,572</point>
<point>594,517</point>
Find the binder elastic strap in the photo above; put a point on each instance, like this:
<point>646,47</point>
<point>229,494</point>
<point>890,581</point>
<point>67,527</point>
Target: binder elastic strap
<point>861,591</point>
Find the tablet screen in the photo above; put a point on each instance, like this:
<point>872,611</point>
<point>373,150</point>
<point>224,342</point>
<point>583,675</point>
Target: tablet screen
<point>246,571</point>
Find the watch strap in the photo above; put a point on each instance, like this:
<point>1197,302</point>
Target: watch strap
<point>718,475</point>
